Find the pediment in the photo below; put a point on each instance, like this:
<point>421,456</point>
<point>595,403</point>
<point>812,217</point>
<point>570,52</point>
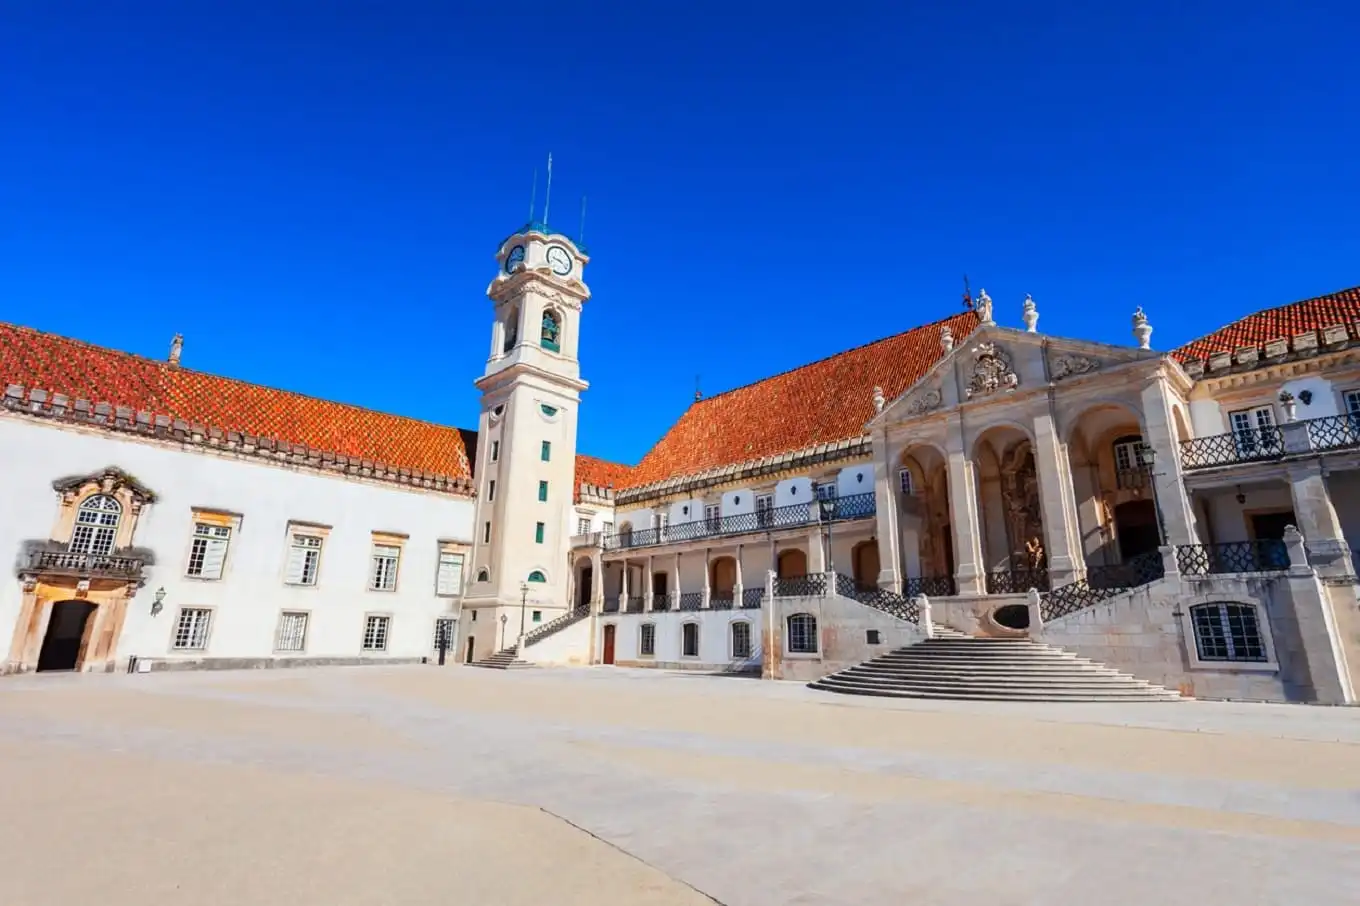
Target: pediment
<point>107,480</point>
<point>994,361</point>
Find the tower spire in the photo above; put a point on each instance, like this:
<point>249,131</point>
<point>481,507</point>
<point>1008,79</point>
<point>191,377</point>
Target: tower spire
<point>581,236</point>
<point>533,196</point>
<point>547,195</point>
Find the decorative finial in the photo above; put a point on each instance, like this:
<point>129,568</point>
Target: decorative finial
<point>1142,330</point>
<point>983,306</point>
<point>878,399</point>
<point>176,347</point>
<point>698,394</point>
<point>946,339</point>
<point>1031,314</point>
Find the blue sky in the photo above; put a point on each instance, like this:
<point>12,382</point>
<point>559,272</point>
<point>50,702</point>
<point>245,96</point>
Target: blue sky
<point>312,192</point>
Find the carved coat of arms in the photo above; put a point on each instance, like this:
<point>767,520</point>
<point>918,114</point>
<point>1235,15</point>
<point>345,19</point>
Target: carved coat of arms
<point>992,371</point>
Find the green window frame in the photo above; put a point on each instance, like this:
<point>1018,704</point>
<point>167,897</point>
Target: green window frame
<point>538,532</point>
<point>543,491</point>
<point>545,452</point>
<point>537,576</point>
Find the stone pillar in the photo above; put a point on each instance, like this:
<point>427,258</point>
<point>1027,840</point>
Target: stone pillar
<point>1062,547</point>
<point>707,591</point>
<point>674,587</point>
<point>885,517</point>
<point>923,619</point>
<point>1322,629</point>
<point>963,516</point>
<point>647,590</point>
<point>1317,520</point>
<point>1160,434</point>
<point>1036,619</point>
<point>738,588</point>
<point>597,580</point>
<point>623,588</point>
<point>816,558</point>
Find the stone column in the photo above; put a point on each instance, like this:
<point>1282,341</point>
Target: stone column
<point>885,517</point>
<point>706,590</point>
<point>816,558</point>
<point>1062,547</point>
<point>968,573</point>
<point>675,583</point>
<point>1160,434</point>
<point>1317,520</point>
<point>647,589</point>
<point>597,580</point>
<point>738,588</point>
<point>623,588</point>
<point>1322,629</point>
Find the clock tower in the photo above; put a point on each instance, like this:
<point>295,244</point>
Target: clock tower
<point>526,441</point>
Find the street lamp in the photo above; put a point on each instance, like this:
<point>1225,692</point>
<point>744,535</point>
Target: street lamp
<point>827,506</point>
<point>523,602</point>
<point>504,617</point>
<point>1147,457</point>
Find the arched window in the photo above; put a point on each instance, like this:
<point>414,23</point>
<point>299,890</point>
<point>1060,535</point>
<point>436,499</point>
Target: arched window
<point>511,330</point>
<point>1228,632</point>
<point>537,576</point>
<point>741,640</point>
<point>689,640</point>
<point>551,338</point>
<point>96,525</point>
<point>802,634</point>
<point>483,575</point>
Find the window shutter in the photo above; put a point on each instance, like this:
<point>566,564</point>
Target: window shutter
<point>214,555</point>
<point>297,562</point>
<point>450,574</point>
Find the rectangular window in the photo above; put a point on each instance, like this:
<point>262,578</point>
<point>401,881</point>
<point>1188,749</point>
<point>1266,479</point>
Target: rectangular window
<point>1253,431</point>
<point>689,640</point>
<point>607,528</point>
<point>208,553</point>
<point>647,640</point>
<point>543,490</point>
<point>495,450</point>
<point>383,575</point>
<point>538,533</point>
<point>449,580</point>
<point>712,518</point>
<point>304,559</point>
<point>191,632</point>
<point>904,482</point>
<point>741,640</point>
<point>292,634</point>
<point>764,510</point>
<point>486,533</point>
<point>826,490</point>
<point>583,526</point>
<point>536,616</point>
<point>375,633</point>
<point>1350,401</point>
<point>546,453</point>
<point>491,490</point>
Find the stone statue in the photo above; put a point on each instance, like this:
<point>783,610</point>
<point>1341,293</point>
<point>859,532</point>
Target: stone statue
<point>1034,552</point>
<point>1030,315</point>
<point>983,306</point>
<point>879,400</point>
<point>946,339</point>
<point>1142,330</point>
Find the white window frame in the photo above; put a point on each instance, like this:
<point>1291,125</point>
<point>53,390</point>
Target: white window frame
<point>310,544</point>
<point>95,530</point>
<point>1350,402</point>
<point>1247,425</point>
<point>764,509</point>
<point>732,640</point>
<point>712,516</point>
<point>377,629</point>
<point>698,639</point>
<point>647,640</point>
<point>825,490</point>
<point>384,567</point>
<point>299,622</point>
<point>445,585</point>
<point>207,537</point>
<point>193,625</point>
<point>607,528</point>
<point>582,525</point>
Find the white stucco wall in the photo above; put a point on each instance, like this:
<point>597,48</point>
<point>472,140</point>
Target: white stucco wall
<point>715,639</point>
<point>248,599</point>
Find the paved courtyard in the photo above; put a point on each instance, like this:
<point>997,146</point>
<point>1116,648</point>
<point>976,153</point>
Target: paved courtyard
<point>421,785</point>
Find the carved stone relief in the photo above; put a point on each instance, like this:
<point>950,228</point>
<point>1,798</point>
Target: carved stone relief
<point>926,402</point>
<point>1069,365</point>
<point>1024,513</point>
<point>992,371</point>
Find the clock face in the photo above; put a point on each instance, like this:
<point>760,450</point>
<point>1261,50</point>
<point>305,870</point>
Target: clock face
<point>559,260</point>
<point>515,260</point>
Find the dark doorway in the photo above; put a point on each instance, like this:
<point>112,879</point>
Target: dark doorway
<point>608,643</point>
<point>586,587</point>
<point>1135,525</point>
<point>1270,526</point>
<point>65,633</point>
<point>722,580</point>
<point>659,588</point>
<point>471,643</point>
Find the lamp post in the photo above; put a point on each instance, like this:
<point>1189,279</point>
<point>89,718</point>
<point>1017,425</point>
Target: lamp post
<point>504,617</point>
<point>523,602</point>
<point>827,507</point>
<point>1148,457</point>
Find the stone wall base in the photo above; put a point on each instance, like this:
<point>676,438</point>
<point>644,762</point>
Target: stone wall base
<point>275,663</point>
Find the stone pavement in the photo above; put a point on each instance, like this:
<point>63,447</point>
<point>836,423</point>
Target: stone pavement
<point>421,785</point>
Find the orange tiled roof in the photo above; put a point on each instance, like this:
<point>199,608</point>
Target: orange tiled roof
<point>599,472</point>
<point>83,371</point>
<point>1286,321</point>
<point>825,401</point>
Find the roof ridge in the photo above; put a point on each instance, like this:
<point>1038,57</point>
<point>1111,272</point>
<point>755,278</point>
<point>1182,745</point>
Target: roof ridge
<point>167,367</point>
<point>827,358</point>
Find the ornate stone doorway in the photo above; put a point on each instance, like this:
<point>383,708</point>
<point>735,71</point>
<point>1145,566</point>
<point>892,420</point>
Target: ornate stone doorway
<point>1011,513</point>
<point>64,643</point>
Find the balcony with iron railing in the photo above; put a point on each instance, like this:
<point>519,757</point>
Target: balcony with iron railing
<point>1271,442</point>
<point>841,509</point>
<point>120,565</point>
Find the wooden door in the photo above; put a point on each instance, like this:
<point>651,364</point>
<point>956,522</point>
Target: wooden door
<point>791,563</point>
<point>723,582</point>
<point>609,643</point>
<point>865,561</point>
<point>471,643</point>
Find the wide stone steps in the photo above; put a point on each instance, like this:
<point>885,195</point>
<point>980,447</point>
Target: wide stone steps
<point>504,659</point>
<point>961,667</point>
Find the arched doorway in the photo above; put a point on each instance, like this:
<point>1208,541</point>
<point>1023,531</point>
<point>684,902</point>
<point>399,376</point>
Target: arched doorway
<point>864,558</point>
<point>585,587</point>
<point>722,578</point>
<point>1135,526</point>
<point>61,647</point>
<point>792,562</point>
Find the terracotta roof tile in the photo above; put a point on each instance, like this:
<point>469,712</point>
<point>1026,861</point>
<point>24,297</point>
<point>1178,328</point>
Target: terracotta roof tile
<point>1284,322</point>
<point>599,472</point>
<point>828,400</point>
<point>84,371</point>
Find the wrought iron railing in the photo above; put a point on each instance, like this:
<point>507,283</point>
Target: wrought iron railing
<point>635,603</point>
<point>1131,479</point>
<point>856,506</point>
<point>1102,583</point>
<point>1336,432</point>
<point>721,602</point>
<point>661,602</point>
<point>1232,557</point>
<point>930,586</point>
<point>611,605</point>
<point>1248,445</point>
<point>1016,581</point>
<point>692,600</point>
<point>85,564</point>
<point>752,598</point>
<point>809,586</point>
<point>575,615</point>
<point>879,598</point>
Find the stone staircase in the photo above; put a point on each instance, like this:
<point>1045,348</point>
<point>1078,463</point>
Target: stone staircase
<point>955,666</point>
<point>505,659</point>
